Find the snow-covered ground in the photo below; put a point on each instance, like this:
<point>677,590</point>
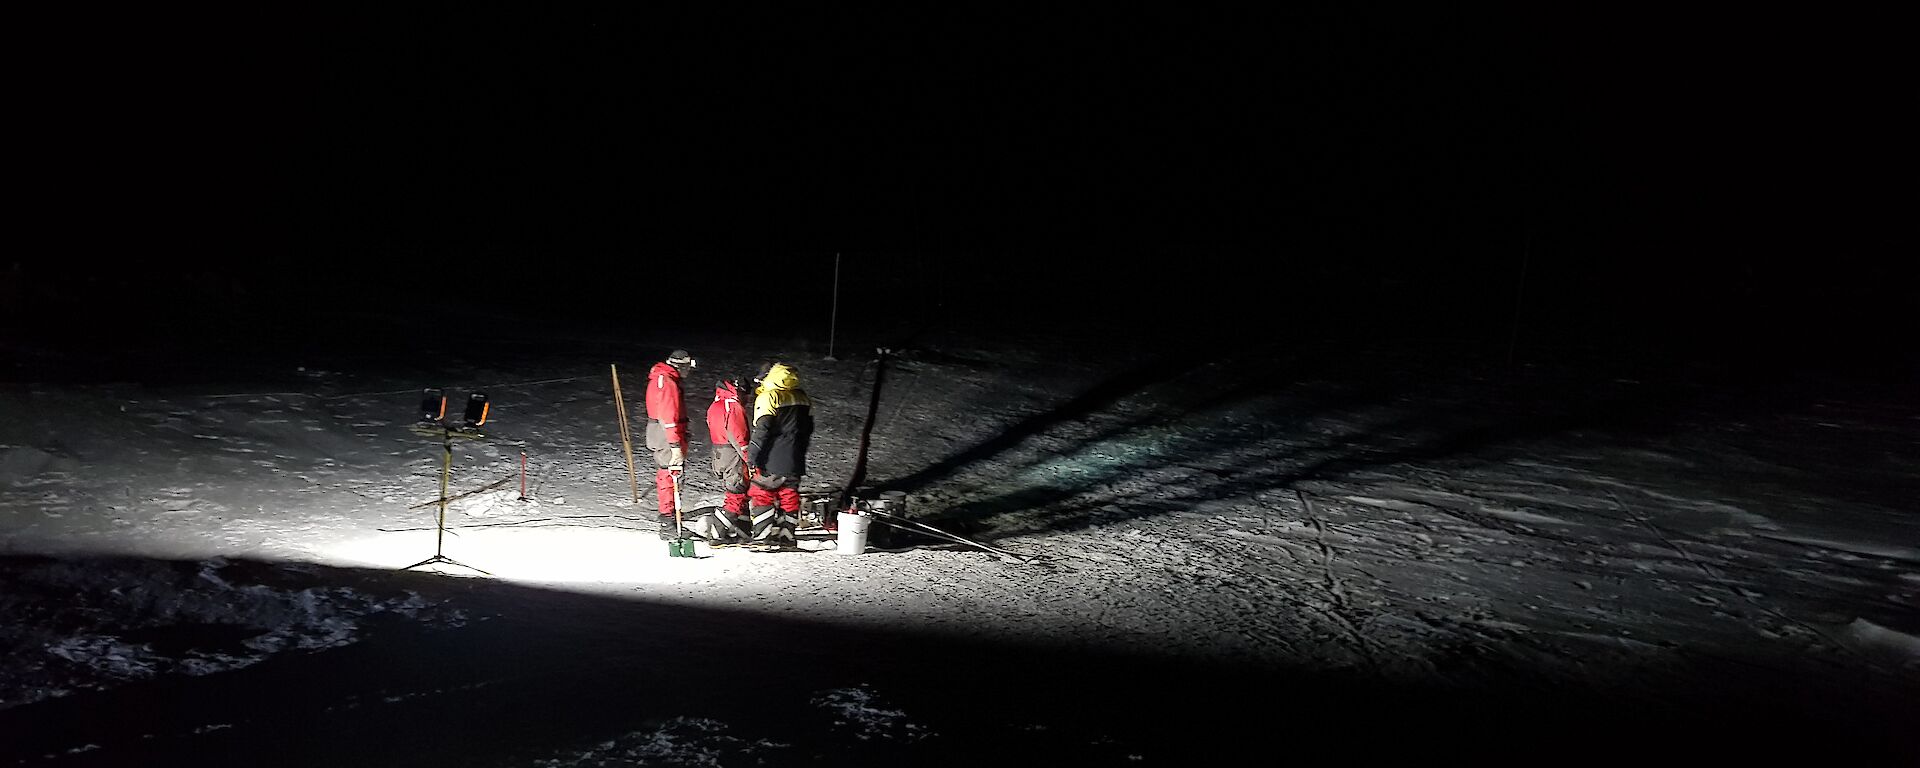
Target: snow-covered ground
<point>1290,550</point>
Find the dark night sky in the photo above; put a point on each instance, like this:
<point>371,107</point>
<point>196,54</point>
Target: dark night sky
<point>1671,172</point>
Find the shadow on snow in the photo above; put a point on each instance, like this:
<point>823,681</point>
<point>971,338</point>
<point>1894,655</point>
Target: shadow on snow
<point>539,674</point>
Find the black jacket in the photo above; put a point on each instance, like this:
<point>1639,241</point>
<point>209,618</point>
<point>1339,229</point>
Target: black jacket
<point>782,424</point>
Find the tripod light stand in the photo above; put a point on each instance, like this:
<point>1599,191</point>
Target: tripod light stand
<point>476,416</point>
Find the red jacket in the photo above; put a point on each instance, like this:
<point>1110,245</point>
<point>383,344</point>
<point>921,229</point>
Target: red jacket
<point>663,402</point>
<point>726,414</point>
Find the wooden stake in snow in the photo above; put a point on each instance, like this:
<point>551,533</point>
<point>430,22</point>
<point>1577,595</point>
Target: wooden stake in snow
<point>626,434</point>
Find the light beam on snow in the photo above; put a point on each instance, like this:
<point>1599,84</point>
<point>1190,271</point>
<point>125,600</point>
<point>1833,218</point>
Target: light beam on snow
<point>535,555</point>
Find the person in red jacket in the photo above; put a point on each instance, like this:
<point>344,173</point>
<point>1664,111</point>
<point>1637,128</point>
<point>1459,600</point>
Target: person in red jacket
<point>727,430</point>
<point>667,432</point>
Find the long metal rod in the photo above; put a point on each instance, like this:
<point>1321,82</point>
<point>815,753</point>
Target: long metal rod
<point>901,522</point>
<point>464,494</point>
<point>446,469</point>
<point>833,320</point>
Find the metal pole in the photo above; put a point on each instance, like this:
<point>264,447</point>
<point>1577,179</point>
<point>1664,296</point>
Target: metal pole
<point>446,469</point>
<point>833,320</point>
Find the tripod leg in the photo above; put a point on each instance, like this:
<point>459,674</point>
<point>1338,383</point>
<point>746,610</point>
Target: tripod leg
<point>448,561</point>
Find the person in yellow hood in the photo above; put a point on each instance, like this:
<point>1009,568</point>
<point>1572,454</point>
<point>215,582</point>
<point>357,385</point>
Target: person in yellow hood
<point>782,428</point>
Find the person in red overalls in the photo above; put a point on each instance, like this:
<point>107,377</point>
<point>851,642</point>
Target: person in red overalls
<point>667,432</point>
<point>727,429</point>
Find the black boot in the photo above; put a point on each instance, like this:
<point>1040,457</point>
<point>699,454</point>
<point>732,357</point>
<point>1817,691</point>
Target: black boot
<point>668,532</point>
<point>760,522</point>
<point>736,527</point>
<point>784,525</point>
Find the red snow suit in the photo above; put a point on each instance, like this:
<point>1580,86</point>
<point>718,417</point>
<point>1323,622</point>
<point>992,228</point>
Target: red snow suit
<point>727,430</point>
<point>666,429</point>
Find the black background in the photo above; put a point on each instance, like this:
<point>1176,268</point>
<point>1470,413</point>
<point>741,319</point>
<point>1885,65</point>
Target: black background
<point>1715,184</point>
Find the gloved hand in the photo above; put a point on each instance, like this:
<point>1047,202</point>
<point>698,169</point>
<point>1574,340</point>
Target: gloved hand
<point>676,457</point>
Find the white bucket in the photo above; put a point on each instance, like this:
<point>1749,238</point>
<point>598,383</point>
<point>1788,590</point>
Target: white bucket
<point>853,532</point>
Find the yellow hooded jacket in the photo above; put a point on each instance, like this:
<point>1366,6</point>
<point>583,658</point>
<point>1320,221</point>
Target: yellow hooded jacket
<point>779,388</point>
<point>782,423</point>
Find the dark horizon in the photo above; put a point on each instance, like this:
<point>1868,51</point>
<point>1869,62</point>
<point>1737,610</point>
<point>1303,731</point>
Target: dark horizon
<point>1610,179</point>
